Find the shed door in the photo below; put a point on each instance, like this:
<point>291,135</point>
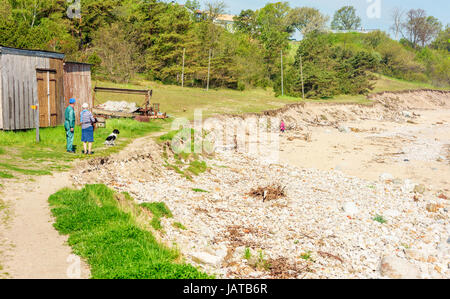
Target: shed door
<point>46,83</point>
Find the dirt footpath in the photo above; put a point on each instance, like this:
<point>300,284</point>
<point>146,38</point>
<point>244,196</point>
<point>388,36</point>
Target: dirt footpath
<point>30,246</point>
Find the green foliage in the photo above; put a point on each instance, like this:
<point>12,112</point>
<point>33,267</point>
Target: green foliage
<point>247,254</point>
<point>159,210</point>
<point>307,20</point>
<point>306,256</point>
<point>330,69</point>
<point>110,240</point>
<point>442,41</point>
<point>179,225</point>
<point>197,167</point>
<point>380,219</point>
<point>346,19</point>
<point>5,175</point>
<point>122,38</point>
<point>199,190</point>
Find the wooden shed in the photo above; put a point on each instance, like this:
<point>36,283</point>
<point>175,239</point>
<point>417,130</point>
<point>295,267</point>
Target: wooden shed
<point>32,88</point>
<point>77,84</point>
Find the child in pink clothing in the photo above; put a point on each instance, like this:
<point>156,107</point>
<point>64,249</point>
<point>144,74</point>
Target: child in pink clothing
<point>282,127</point>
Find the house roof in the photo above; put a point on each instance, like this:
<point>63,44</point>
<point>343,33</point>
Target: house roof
<point>26,52</point>
<point>228,18</point>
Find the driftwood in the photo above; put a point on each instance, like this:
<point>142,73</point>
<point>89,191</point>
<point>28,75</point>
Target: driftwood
<point>271,192</point>
<point>326,254</point>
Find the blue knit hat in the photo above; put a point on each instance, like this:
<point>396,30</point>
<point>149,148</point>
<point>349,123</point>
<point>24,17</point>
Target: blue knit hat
<point>72,101</point>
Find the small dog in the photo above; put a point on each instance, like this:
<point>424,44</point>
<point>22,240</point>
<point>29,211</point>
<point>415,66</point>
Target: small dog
<point>110,140</point>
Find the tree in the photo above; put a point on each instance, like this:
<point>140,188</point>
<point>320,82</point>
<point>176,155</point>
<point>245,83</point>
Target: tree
<point>215,9</point>
<point>419,28</point>
<point>330,69</point>
<point>430,30</point>
<point>5,10</point>
<point>246,22</point>
<point>274,30</point>
<point>116,53</point>
<point>192,5</point>
<point>442,41</point>
<point>307,20</point>
<point>397,18</point>
<point>346,19</point>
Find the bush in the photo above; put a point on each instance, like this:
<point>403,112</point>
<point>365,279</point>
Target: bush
<point>330,70</point>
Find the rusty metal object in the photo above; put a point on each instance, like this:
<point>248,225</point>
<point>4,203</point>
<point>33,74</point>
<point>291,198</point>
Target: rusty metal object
<point>142,118</point>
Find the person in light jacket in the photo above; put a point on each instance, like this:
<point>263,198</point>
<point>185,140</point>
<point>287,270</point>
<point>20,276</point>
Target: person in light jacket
<point>87,121</point>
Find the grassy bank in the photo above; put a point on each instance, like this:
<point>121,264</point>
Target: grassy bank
<point>20,154</point>
<point>182,102</point>
<point>112,233</point>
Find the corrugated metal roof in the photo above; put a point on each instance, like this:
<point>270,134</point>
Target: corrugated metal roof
<point>25,52</point>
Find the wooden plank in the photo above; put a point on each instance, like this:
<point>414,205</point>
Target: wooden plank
<point>1,93</point>
<point>20,73</point>
<point>27,105</point>
<point>5,82</point>
<point>53,102</point>
<point>12,102</point>
<point>42,98</point>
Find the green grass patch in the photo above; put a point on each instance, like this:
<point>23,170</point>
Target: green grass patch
<point>306,256</point>
<point>380,219</point>
<point>50,154</point>
<point>197,167</point>
<point>199,190</point>
<point>24,171</point>
<point>6,175</point>
<point>179,225</point>
<point>111,240</point>
<point>159,210</point>
<point>247,254</point>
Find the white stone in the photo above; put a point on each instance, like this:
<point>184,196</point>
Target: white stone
<point>397,268</point>
<point>407,114</point>
<point>408,186</point>
<point>350,208</point>
<point>344,129</point>
<point>392,213</point>
<point>206,258</point>
<point>386,177</point>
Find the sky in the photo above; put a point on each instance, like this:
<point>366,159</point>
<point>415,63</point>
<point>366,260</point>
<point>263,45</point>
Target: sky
<point>370,19</point>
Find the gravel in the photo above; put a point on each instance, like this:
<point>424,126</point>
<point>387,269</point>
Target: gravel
<point>306,234</point>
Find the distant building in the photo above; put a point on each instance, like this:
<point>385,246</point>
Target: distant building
<point>362,30</point>
<point>226,21</point>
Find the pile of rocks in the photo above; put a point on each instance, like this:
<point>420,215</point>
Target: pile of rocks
<point>117,106</point>
<point>327,225</point>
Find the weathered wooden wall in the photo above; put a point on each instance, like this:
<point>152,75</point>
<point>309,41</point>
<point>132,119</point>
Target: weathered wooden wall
<point>77,84</point>
<point>1,95</point>
<point>19,86</point>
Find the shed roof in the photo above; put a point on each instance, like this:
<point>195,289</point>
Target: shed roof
<point>25,52</point>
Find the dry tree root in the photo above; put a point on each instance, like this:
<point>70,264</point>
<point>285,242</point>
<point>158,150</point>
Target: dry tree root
<point>270,192</point>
